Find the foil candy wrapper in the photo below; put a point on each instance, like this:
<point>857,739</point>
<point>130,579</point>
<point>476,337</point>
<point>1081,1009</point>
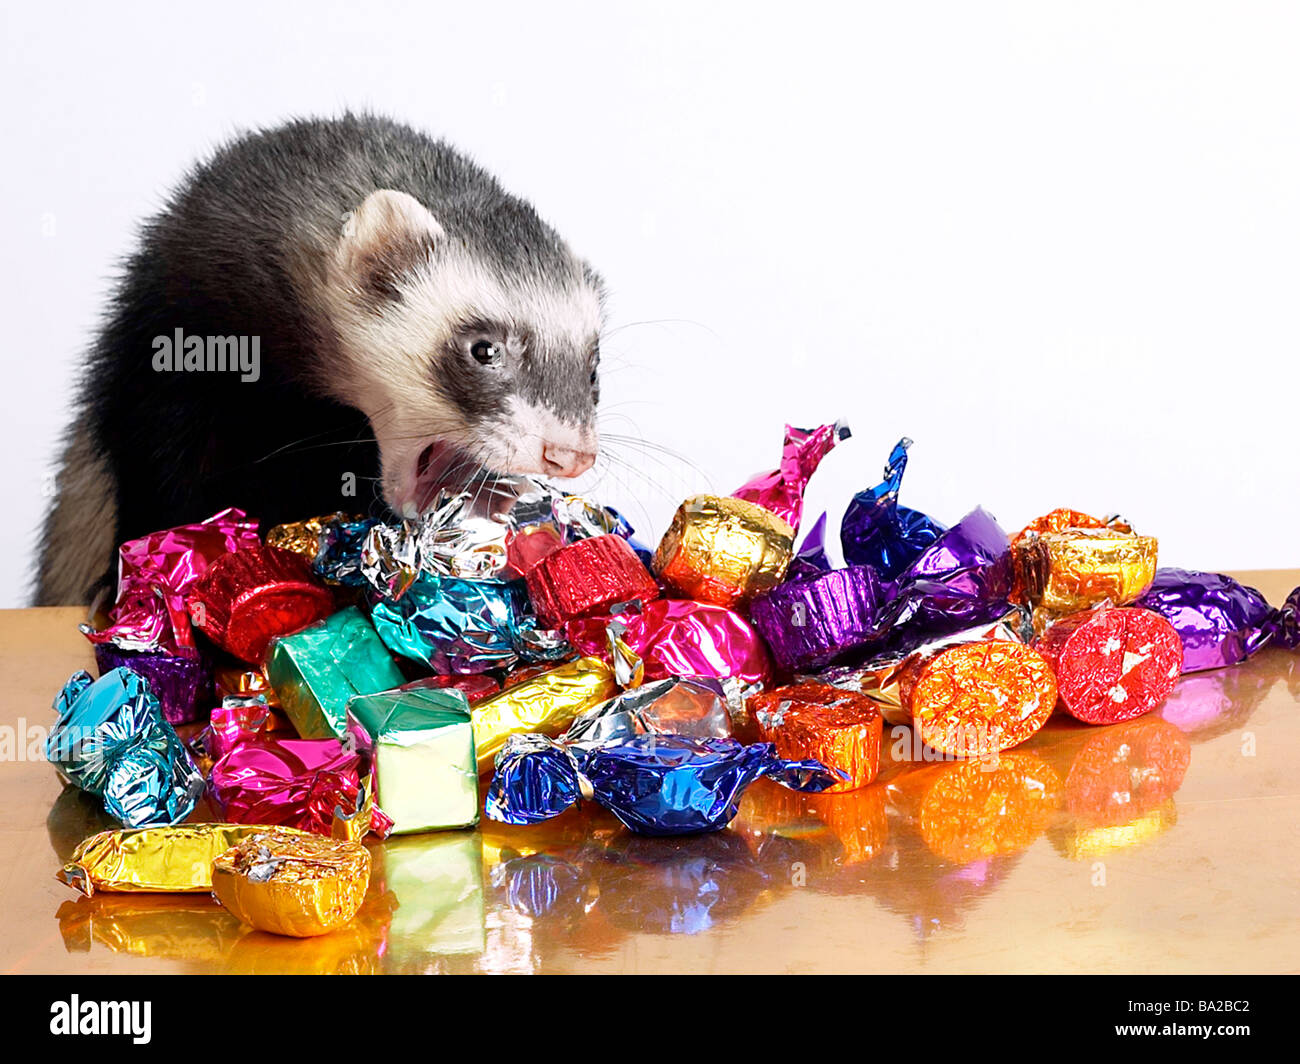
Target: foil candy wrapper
<point>678,637</point>
<point>1064,572</point>
<point>781,490</point>
<point>809,622</point>
<point>810,560</point>
<point>1112,664</point>
<point>315,672</point>
<point>654,784</point>
<point>291,884</point>
<point>338,554</point>
<point>545,703</point>
<point>112,741</point>
<point>425,769</point>
<point>173,859</point>
<point>320,786</point>
<point>247,598</point>
<point>588,577</point>
<point>474,686</point>
<point>182,684</point>
<point>1287,622</point>
<point>1219,621</point>
<point>240,682</point>
<point>723,551</point>
<point>877,531</point>
<point>1063,519</point>
<point>154,576</point>
<point>304,537</point>
<point>697,708</point>
<point>813,721</point>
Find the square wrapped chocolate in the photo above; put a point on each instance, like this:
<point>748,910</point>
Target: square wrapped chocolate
<point>427,777</point>
<point>723,550</point>
<point>316,671</point>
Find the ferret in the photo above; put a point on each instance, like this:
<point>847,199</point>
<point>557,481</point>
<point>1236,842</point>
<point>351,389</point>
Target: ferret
<point>330,315</point>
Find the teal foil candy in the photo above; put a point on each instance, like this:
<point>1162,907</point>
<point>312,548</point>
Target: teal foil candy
<point>112,741</point>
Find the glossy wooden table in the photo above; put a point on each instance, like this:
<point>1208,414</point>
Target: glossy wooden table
<point>1171,844</point>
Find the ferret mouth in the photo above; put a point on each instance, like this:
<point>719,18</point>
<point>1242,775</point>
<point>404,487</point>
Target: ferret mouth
<point>445,466</point>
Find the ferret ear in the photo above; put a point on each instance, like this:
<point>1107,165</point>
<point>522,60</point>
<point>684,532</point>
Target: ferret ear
<point>388,236</point>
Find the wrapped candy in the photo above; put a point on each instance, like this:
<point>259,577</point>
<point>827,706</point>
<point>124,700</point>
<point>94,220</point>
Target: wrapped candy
<point>247,598</point>
<point>677,637</point>
<point>587,577</point>
<point>292,884</point>
<point>695,707</point>
<point>154,576</point>
<point>426,774</point>
<point>877,531</point>
<point>229,681</point>
<point>1064,572</point>
<point>182,684</point>
<point>1219,621</point>
<point>460,626</point>
<point>723,551</point>
<point>1287,622</point>
<point>322,786</point>
<point>815,721</point>
<point>809,622</point>
<point>1112,664</point>
<point>545,703</point>
<point>968,699</point>
<point>315,672</point>
<point>654,784</point>
<point>474,686</point>
<point>229,725</point>
<point>811,559</point>
<point>165,859</point>
<point>338,553</point>
<point>111,740</point>
<point>304,537</point>
<point>781,491</point>
<point>1062,519</point>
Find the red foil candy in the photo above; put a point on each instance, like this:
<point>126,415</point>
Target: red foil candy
<point>247,598</point>
<point>587,577</point>
<point>1112,664</point>
<point>677,637</point>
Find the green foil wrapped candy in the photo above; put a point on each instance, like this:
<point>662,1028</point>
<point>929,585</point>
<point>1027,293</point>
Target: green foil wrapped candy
<point>316,671</point>
<point>426,774</point>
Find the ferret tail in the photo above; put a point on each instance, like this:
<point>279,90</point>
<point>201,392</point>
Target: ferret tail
<point>78,538</point>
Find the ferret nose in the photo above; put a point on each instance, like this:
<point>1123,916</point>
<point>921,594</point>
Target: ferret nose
<point>566,461</point>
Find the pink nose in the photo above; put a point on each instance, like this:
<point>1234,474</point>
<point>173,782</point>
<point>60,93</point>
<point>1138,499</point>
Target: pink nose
<point>565,461</point>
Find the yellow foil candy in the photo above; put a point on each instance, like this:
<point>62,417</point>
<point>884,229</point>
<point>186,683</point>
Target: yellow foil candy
<point>289,883</point>
<point>1064,572</point>
<point>546,703</point>
<point>158,859</point>
<point>723,550</point>
<point>303,537</point>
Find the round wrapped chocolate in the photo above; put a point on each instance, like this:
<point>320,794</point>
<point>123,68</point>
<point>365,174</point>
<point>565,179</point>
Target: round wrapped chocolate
<point>247,598</point>
<point>815,721</point>
<point>587,577</point>
<point>1062,572</point>
<point>292,884</point>
<point>723,550</point>
<point>1219,621</point>
<point>977,699</point>
<point>1113,664</point>
<point>182,685</point>
<point>807,623</point>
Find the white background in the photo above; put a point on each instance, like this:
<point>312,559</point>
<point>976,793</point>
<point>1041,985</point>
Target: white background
<point>1057,244</point>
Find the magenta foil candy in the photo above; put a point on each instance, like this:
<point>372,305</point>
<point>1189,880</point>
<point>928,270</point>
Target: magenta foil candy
<point>154,577</point>
<point>809,622</point>
<point>781,490</point>
<point>1220,621</point>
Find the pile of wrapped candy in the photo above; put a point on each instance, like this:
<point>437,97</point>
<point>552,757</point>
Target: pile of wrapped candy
<point>343,678</point>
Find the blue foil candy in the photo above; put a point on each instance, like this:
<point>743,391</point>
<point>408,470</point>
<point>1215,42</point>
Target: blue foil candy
<point>338,558</point>
<point>876,531</point>
<point>654,784</point>
<point>111,740</point>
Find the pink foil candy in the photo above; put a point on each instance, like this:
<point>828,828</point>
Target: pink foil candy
<point>677,637</point>
<point>781,490</point>
<point>154,576</point>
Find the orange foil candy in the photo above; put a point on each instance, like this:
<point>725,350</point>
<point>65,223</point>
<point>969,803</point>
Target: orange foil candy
<point>976,699</point>
<point>841,729</point>
<point>1062,518</point>
<point>587,577</point>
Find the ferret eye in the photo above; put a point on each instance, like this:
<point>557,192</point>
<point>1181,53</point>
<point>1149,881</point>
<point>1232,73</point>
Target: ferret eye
<point>486,353</point>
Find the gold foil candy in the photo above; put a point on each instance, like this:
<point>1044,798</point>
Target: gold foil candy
<point>293,884</point>
<point>546,703</point>
<point>175,858</point>
<point>303,537</point>
<point>1064,572</point>
<point>723,550</point>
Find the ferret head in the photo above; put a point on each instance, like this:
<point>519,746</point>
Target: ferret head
<point>470,341</point>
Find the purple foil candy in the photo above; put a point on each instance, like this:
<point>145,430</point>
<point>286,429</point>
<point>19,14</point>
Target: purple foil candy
<point>809,622</point>
<point>1287,622</point>
<point>811,560</point>
<point>183,686</point>
<point>876,531</point>
<point>1220,621</point>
